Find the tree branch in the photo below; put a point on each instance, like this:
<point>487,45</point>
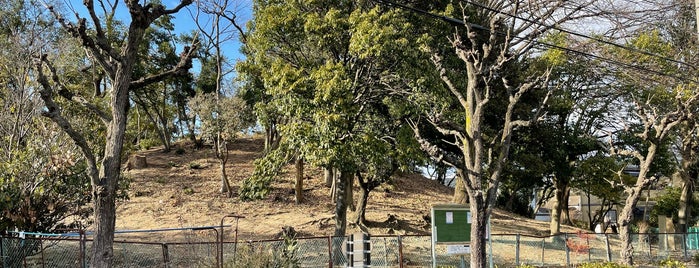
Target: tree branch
<point>65,93</point>
<point>181,68</point>
<point>105,56</point>
<point>437,153</point>
<point>53,112</point>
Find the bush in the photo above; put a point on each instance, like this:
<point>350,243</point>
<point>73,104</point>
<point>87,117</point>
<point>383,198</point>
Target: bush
<point>602,265</point>
<point>147,143</point>
<point>267,168</point>
<point>670,263</point>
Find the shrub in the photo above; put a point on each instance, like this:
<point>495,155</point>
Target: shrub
<point>670,263</point>
<point>146,144</point>
<point>602,265</point>
<point>267,168</point>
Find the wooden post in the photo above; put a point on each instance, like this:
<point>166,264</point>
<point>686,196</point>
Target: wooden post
<point>299,181</point>
<point>517,250</point>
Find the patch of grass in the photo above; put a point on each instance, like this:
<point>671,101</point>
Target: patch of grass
<point>194,165</point>
<point>188,191</point>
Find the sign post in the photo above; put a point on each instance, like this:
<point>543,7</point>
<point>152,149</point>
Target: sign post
<point>451,226</point>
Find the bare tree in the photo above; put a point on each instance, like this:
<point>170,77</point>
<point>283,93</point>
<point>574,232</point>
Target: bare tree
<point>490,38</point>
<point>655,129</point>
<point>219,28</point>
<point>117,61</point>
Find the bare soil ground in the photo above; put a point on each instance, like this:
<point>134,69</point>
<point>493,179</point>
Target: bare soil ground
<point>182,190</point>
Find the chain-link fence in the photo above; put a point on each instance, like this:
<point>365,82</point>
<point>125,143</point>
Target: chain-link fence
<point>504,250</point>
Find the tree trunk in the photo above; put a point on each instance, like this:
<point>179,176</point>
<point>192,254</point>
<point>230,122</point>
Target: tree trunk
<point>509,205</point>
<point>363,199</point>
<point>460,195</point>
<point>105,217</point>
<point>687,175</point>
<point>299,180</point>
<point>625,222</point>
<point>341,203</point>
<point>271,137</point>
<point>685,211</point>
<point>565,212</point>
<point>104,187</point>
<point>479,224</point>
<point>349,189</point>
<point>328,175</point>
<point>191,123</point>
<point>225,185</point>
<point>221,150</point>
<point>558,203</point>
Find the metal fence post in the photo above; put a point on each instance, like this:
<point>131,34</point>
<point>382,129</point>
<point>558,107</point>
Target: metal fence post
<point>609,252</point>
<point>684,245</point>
<point>400,251</point>
<point>565,243</point>
<point>543,246</point>
<point>166,256</point>
<point>517,250</point>
<point>43,257</point>
<point>330,252</point>
<point>83,236</point>
<point>2,251</point>
<point>589,249</point>
<point>349,245</point>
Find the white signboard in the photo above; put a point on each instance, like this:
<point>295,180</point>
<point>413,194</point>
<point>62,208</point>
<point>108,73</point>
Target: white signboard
<point>458,249</point>
<point>450,217</point>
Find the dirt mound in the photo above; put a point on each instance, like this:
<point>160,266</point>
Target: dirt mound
<point>180,189</point>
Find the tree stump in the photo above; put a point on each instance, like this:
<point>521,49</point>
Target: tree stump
<point>137,162</point>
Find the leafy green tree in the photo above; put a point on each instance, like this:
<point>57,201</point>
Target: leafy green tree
<point>595,176</point>
<point>565,137</point>
<point>42,181</point>
<point>158,103</point>
<point>117,60</point>
<point>327,69</point>
<point>668,205</point>
<point>680,23</point>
